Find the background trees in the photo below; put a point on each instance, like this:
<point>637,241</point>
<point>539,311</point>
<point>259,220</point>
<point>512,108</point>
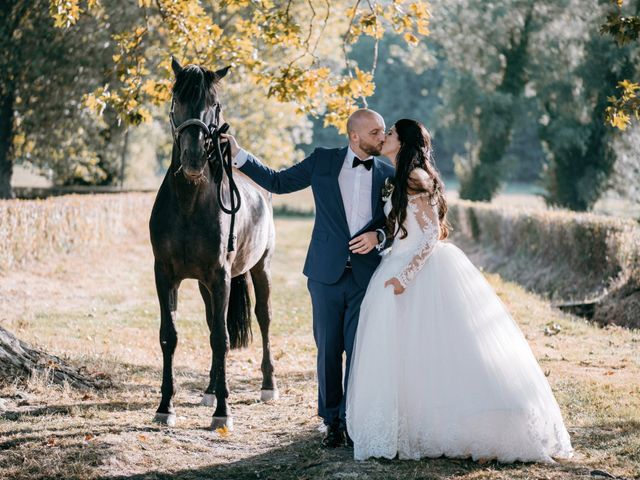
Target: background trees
<point>79,73</point>
<point>512,90</point>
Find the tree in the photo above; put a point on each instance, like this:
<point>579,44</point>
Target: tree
<point>44,73</point>
<point>624,29</point>
<point>532,63</point>
<point>113,57</point>
<point>574,100</point>
<point>489,47</point>
<point>19,360</point>
<point>254,37</point>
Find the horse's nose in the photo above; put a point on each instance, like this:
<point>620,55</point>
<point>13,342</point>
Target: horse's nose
<point>193,160</point>
<point>191,172</point>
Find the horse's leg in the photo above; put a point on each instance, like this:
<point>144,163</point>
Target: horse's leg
<point>209,398</point>
<point>168,298</point>
<point>261,275</point>
<point>219,340</point>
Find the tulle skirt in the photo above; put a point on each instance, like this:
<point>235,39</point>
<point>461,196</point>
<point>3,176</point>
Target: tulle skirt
<point>444,370</point>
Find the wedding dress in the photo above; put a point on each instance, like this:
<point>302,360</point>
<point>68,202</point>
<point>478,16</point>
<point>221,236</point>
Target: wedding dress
<point>443,369</point>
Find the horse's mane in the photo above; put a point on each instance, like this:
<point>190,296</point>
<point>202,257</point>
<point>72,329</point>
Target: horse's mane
<point>195,84</point>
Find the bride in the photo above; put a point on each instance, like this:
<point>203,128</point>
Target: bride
<point>439,366</point>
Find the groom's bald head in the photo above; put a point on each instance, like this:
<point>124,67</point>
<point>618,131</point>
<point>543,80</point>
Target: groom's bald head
<point>362,117</point>
<point>365,129</point>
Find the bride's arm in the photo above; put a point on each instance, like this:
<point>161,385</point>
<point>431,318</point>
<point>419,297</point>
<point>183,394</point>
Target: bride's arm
<point>421,206</point>
<point>427,217</point>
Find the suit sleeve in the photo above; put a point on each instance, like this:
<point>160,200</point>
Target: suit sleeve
<point>288,180</point>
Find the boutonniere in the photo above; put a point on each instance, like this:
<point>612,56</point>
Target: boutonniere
<point>387,189</point>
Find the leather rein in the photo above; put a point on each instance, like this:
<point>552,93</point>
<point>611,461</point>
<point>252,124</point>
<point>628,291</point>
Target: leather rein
<point>214,149</point>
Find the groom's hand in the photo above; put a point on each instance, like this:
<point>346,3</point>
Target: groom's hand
<point>364,243</point>
<point>395,283</point>
<point>233,143</point>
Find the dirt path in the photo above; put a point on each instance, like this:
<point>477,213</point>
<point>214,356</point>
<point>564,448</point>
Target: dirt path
<point>98,308</point>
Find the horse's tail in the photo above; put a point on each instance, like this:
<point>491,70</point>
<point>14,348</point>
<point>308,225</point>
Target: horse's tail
<point>239,313</point>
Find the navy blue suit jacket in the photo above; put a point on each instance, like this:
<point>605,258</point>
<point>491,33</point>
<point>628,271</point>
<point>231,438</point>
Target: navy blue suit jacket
<point>329,248</point>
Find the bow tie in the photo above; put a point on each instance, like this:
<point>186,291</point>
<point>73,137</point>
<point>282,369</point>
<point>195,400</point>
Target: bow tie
<point>366,163</point>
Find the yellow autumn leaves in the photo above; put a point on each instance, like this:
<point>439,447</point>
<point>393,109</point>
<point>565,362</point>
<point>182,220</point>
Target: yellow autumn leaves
<point>270,44</point>
<point>619,113</point>
<point>411,19</point>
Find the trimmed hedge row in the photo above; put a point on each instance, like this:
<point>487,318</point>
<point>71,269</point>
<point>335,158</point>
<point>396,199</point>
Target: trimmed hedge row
<point>564,255</point>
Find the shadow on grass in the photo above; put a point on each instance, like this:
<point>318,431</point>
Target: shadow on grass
<point>303,458</point>
<point>598,436</point>
<point>76,409</point>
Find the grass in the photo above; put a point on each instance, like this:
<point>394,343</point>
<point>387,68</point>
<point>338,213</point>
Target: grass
<point>98,309</point>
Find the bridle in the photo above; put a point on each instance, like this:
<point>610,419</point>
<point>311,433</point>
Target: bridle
<point>213,148</point>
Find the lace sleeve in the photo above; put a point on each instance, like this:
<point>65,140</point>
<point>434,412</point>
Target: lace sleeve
<point>426,215</point>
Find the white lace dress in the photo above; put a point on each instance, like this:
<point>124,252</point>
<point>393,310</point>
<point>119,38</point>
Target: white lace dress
<point>443,369</point>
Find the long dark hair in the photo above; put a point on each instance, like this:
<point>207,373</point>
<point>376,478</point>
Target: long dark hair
<point>415,152</point>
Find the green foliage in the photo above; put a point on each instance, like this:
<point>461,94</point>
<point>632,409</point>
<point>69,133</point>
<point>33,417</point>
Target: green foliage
<point>580,148</point>
<point>481,177</point>
<point>45,72</point>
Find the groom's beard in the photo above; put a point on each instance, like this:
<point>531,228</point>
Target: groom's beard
<point>370,149</point>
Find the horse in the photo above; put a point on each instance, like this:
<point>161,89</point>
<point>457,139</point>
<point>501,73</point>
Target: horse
<point>188,228</point>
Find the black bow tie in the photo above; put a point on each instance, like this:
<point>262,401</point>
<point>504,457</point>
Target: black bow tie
<point>367,163</point>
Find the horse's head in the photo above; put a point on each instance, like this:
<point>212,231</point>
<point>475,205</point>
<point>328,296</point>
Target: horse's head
<point>195,107</point>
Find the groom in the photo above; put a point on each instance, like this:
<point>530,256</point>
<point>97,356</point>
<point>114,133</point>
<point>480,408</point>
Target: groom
<point>343,254</point>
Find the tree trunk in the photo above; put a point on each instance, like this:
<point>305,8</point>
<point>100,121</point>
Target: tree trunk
<point>496,120</point>
<point>19,361</point>
<point>6,139</point>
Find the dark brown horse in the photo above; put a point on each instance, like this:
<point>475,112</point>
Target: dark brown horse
<point>189,233</point>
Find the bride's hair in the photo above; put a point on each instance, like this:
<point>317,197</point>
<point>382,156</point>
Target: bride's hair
<point>415,152</point>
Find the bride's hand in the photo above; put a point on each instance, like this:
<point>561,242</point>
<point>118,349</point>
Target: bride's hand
<point>395,283</point>
<point>233,143</point>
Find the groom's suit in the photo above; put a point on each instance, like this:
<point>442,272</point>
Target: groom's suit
<point>337,279</point>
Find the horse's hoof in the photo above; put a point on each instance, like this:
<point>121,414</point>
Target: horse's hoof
<point>209,400</point>
<point>269,395</point>
<point>221,422</point>
<point>168,419</point>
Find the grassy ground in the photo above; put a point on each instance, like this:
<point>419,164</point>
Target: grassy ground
<point>98,309</point>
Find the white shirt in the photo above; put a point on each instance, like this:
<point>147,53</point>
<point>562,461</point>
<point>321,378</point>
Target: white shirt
<point>355,188</point>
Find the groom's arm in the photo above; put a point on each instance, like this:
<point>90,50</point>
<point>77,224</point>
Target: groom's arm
<point>288,180</point>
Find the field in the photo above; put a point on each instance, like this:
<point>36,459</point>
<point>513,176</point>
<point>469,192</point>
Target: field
<point>97,307</point>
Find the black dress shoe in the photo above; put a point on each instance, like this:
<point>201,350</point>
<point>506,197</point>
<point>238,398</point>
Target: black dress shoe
<point>334,438</point>
<point>347,439</point>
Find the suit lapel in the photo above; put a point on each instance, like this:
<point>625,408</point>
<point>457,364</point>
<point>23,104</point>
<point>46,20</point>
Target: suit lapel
<point>336,166</point>
<point>376,186</point>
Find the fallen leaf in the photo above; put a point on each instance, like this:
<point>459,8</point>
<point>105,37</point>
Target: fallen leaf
<point>552,329</point>
<point>142,438</point>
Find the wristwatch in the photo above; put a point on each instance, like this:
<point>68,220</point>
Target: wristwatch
<point>382,237</point>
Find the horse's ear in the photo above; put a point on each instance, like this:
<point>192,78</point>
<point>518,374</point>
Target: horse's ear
<point>177,68</point>
<point>219,74</point>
